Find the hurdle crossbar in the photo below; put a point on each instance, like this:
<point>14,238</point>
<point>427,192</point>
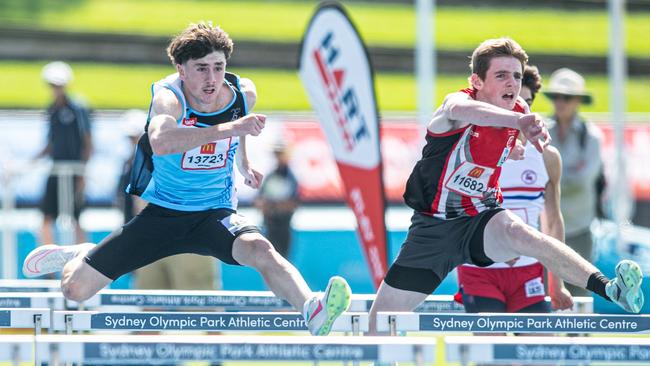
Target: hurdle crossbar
<point>24,318</point>
<point>545,350</point>
<point>197,321</point>
<point>51,300</point>
<point>517,323</point>
<point>30,285</point>
<point>257,301</point>
<point>152,349</point>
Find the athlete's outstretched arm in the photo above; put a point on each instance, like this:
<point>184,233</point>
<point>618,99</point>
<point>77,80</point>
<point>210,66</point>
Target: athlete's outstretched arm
<point>552,223</point>
<point>459,110</point>
<point>167,138</point>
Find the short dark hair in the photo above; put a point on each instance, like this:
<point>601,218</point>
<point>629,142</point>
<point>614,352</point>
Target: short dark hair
<point>491,48</point>
<point>198,40</point>
<point>532,79</point>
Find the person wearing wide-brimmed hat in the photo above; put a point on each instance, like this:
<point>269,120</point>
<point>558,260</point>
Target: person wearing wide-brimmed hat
<point>578,141</point>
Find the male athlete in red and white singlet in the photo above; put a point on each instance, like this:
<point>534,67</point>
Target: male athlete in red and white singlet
<point>467,183</point>
<point>531,190</point>
<point>454,192</point>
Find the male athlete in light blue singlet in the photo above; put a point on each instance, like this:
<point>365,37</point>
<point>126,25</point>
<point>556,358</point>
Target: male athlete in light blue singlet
<point>196,132</point>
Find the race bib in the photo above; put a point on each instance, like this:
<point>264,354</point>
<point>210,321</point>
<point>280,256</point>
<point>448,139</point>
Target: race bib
<point>470,180</point>
<point>235,222</point>
<point>534,287</point>
<point>212,155</point>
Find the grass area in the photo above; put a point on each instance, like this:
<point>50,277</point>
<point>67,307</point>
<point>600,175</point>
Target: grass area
<point>538,30</point>
<point>128,86</point>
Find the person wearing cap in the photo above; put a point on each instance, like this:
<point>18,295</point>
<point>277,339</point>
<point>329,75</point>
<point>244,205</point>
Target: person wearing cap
<point>579,143</point>
<point>278,199</point>
<point>68,140</point>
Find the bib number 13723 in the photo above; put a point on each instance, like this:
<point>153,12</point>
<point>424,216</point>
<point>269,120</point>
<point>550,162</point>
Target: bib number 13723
<point>213,155</point>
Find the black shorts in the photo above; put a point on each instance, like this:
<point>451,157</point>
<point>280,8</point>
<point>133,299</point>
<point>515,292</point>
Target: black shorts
<point>434,247</point>
<point>50,202</point>
<point>159,232</point>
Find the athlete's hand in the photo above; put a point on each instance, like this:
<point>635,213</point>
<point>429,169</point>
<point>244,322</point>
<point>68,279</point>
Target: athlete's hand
<point>560,298</point>
<point>252,177</point>
<point>534,129</point>
<point>251,124</point>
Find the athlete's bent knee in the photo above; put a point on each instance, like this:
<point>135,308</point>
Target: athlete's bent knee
<point>261,253</point>
<point>518,235</point>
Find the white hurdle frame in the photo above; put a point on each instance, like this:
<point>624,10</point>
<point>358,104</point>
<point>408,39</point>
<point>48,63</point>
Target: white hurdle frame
<point>545,350</point>
<point>394,322</point>
<point>258,300</point>
<point>71,321</point>
<point>30,285</point>
<point>93,349</point>
<point>50,300</point>
<point>25,318</point>
<point>231,300</point>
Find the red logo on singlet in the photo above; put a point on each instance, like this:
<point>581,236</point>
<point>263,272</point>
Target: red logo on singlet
<point>476,172</point>
<point>189,121</point>
<point>209,148</point>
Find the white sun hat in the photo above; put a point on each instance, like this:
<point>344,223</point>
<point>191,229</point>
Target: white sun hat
<point>57,73</point>
<point>565,81</point>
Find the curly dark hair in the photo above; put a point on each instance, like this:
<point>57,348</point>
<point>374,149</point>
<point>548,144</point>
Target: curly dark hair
<point>198,40</point>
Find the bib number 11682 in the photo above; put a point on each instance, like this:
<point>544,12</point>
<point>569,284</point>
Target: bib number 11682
<point>470,180</point>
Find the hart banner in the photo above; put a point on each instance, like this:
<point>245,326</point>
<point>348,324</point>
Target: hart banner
<point>336,72</point>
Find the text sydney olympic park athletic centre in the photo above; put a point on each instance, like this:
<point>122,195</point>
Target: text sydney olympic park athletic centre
<point>537,323</point>
<point>191,321</point>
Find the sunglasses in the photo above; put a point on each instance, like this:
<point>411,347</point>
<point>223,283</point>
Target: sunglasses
<point>562,97</point>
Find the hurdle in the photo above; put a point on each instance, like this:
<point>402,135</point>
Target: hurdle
<point>51,300</point>
<point>156,349</point>
<point>517,323</point>
<point>256,301</point>
<point>71,321</point>
<point>542,350</point>
<point>25,318</point>
<point>179,299</point>
<point>447,304</point>
<point>30,285</point>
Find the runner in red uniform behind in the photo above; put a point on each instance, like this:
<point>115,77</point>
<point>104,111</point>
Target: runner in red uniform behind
<point>455,193</point>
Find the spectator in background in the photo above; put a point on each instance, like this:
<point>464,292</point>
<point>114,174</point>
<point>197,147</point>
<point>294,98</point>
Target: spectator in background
<point>278,199</point>
<point>578,141</point>
<point>179,272</point>
<point>68,140</point>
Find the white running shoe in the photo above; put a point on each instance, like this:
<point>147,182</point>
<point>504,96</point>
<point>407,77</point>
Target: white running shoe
<point>320,314</point>
<point>50,258</point>
<point>625,289</point>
